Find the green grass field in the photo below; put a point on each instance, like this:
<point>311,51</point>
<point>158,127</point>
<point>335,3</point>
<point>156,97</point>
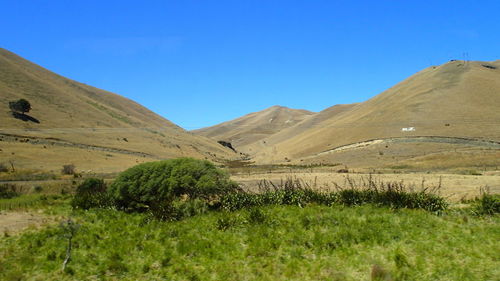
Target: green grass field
<point>265,243</point>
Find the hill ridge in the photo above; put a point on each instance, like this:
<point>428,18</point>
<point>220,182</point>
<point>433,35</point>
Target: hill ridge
<point>90,117</point>
<point>456,99</point>
<point>254,126</point>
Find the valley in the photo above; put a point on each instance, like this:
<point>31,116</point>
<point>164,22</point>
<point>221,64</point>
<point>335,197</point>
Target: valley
<point>355,191</point>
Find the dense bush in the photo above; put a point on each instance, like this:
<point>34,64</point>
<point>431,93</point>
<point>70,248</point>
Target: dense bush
<point>158,184</point>
<point>178,209</point>
<point>20,105</point>
<point>488,204</point>
<point>391,197</point>
<point>91,194</point>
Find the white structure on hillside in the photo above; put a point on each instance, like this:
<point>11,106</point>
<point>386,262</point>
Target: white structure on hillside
<point>408,129</point>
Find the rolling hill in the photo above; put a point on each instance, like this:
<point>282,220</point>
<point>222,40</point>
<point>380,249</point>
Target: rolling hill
<point>251,128</point>
<point>459,99</point>
<point>310,121</point>
<point>71,122</point>
<point>449,112</point>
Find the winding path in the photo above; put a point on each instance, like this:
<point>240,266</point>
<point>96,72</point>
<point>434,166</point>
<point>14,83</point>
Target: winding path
<point>420,139</point>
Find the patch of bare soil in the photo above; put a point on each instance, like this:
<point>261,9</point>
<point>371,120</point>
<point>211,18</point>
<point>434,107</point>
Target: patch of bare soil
<point>14,222</point>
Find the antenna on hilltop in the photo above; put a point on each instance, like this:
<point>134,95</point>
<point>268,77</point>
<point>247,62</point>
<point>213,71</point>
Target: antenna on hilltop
<point>466,57</point>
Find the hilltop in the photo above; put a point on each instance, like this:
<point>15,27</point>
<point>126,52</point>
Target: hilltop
<point>457,100</point>
<point>251,128</point>
<point>71,122</point>
<point>442,109</point>
<point>309,122</point>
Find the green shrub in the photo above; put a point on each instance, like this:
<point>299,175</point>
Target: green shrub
<point>37,188</point>
<point>20,105</point>
<point>8,191</point>
<point>387,196</point>
<point>257,216</point>
<point>90,194</point>
<point>394,198</point>
<point>158,184</point>
<point>488,204</point>
<point>178,209</point>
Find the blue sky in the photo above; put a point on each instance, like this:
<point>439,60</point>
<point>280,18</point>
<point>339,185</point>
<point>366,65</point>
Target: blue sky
<point>199,63</point>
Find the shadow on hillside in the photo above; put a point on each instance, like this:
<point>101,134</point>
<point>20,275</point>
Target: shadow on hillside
<point>25,117</point>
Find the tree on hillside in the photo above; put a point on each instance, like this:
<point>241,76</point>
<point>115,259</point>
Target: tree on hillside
<point>21,106</point>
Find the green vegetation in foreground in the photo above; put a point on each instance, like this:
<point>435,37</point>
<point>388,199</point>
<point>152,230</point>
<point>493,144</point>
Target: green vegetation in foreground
<point>158,184</point>
<point>187,221</point>
<point>266,243</point>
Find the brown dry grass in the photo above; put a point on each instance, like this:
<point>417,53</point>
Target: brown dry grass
<point>456,99</point>
<point>423,157</point>
<point>253,127</point>
<point>13,221</point>
<point>452,186</point>
<point>38,158</point>
<point>79,114</point>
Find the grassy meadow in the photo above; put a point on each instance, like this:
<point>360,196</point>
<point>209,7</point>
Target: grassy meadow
<point>184,219</point>
<point>313,242</point>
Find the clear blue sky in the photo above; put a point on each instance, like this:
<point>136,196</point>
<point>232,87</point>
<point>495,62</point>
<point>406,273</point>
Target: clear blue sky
<point>198,63</point>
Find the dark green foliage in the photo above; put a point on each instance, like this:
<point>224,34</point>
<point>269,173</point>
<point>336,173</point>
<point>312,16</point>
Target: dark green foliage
<point>257,216</point>
<point>158,184</point>
<point>297,197</point>
<point>51,256</point>
<point>228,221</point>
<point>21,105</point>
<point>91,185</point>
<point>393,198</point>
<point>178,209</point>
<point>8,191</point>
<point>69,270</point>
<point>488,204</point>
<point>91,194</point>
<point>292,194</point>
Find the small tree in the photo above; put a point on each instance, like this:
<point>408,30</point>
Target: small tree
<point>69,229</point>
<point>21,106</point>
<point>159,184</point>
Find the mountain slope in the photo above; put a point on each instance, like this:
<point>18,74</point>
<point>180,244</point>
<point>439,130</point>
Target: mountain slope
<point>457,99</point>
<point>253,127</point>
<point>84,117</point>
<point>311,121</point>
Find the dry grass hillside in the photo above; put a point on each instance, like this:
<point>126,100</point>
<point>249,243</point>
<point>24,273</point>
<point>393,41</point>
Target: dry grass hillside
<point>459,99</point>
<point>251,128</point>
<point>311,121</point>
<point>71,122</point>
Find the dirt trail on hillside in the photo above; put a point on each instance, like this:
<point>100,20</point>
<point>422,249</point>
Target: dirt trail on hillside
<point>63,143</point>
<point>432,139</point>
